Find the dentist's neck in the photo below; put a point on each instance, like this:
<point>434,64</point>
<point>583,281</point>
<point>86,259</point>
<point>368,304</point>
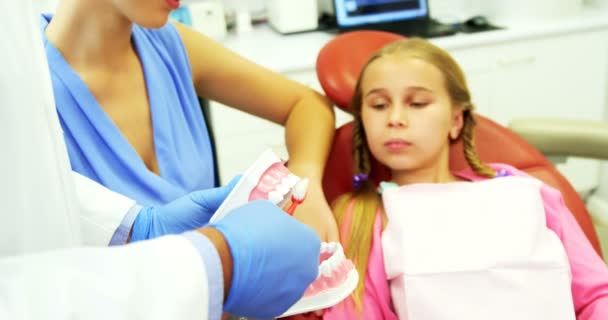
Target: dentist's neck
<point>90,32</point>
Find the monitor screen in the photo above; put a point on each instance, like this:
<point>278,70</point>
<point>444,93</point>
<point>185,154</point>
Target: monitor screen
<point>352,13</point>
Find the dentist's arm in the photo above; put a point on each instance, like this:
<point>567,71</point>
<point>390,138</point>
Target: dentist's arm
<point>260,259</point>
<point>106,217</point>
<point>158,279</point>
<point>110,218</point>
<point>222,75</point>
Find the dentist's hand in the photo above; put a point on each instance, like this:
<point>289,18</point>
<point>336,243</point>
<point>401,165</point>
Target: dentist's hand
<point>274,257</point>
<point>316,213</point>
<point>187,213</point>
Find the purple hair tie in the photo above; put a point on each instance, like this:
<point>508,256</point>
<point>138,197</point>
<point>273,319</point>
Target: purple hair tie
<point>503,173</point>
<point>359,179</point>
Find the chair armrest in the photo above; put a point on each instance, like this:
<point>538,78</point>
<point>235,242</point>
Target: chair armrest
<point>563,137</point>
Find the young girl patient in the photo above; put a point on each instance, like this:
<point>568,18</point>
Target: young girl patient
<point>412,102</point>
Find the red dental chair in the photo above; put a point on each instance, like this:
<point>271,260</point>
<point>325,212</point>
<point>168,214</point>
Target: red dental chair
<point>338,66</point>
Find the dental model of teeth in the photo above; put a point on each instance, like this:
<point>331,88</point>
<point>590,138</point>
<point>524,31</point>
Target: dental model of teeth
<point>337,279</point>
<point>274,184</point>
<point>267,179</point>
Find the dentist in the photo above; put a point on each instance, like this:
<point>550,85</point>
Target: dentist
<point>54,225</point>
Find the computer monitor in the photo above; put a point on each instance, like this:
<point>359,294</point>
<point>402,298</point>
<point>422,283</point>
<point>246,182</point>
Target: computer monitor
<point>406,17</point>
<point>359,13</point>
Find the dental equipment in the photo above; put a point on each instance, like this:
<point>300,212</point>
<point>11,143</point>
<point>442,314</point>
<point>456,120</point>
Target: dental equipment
<point>298,195</point>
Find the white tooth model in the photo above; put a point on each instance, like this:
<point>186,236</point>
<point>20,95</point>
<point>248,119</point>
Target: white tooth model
<point>337,279</point>
<point>269,179</point>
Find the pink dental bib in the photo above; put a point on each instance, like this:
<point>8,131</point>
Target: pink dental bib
<point>474,251</point>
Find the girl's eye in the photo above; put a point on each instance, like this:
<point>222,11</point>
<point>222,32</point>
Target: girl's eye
<point>418,104</point>
<point>379,106</point>
<point>378,103</point>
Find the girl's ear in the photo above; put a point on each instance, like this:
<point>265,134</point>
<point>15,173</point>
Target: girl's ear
<point>457,122</point>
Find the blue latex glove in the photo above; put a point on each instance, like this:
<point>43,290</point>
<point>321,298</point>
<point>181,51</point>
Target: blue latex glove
<point>187,213</point>
<point>275,258</point>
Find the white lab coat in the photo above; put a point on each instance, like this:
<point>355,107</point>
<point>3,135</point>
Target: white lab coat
<point>53,259</point>
<point>45,6</point>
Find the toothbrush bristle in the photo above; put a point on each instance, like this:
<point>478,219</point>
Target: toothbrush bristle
<point>299,190</point>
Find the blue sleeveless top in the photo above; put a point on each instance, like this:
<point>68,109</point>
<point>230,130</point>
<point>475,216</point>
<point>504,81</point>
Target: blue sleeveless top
<point>97,148</point>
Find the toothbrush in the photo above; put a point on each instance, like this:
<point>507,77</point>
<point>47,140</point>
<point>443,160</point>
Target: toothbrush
<point>297,195</point>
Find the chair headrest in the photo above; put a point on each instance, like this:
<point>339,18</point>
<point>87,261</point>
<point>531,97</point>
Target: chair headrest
<point>338,74</point>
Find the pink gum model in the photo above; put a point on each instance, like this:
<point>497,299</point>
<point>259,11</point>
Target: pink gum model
<point>333,269</point>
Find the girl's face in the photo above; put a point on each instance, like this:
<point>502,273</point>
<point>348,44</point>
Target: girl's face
<point>147,13</point>
<point>407,114</point>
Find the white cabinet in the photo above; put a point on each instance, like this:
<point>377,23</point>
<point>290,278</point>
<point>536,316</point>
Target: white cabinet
<point>560,76</point>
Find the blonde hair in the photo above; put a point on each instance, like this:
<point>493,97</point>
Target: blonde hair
<point>364,202</point>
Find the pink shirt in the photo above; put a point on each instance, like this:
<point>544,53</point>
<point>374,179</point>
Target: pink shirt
<point>589,272</point>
